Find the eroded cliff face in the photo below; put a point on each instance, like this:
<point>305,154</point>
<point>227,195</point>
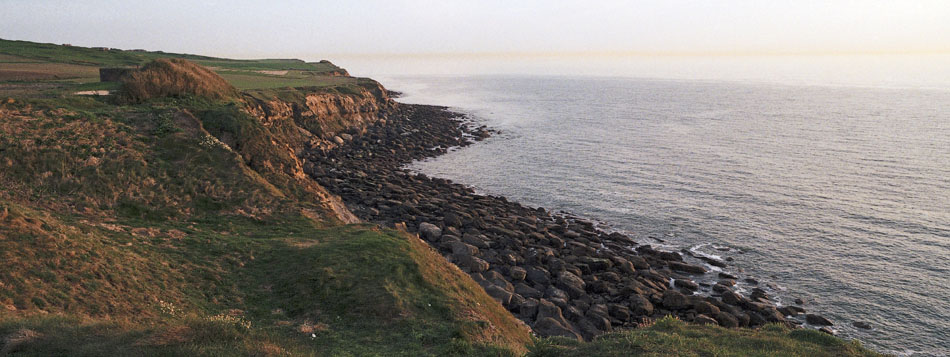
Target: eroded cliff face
<point>325,114</point>
<point>299,120</point>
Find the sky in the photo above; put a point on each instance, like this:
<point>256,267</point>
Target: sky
<point>315,29</point>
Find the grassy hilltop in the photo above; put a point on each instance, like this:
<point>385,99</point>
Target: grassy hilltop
<point>172,220</point>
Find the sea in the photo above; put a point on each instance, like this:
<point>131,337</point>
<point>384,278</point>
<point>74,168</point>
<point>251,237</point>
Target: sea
<point>826,178</point>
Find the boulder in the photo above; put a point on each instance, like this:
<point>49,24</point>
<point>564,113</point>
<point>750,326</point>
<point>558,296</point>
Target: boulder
<point>674,300</point>
<point>500,294</point>
<point>527,291</point>
<point>687,268</point>
<point>429,231</point>
<point>550,327</point>
<point>461,249</point>
<point>640,305</point>
<point>726,319</point>
<point>474,264</point>
<point>596,264</point>
<point>817,320</point>
<point>627,267</point>
<point>538,276</point>
<point>732,298</point>
<point>703,307</point>
<point>686,284</point>
<point>546,308</point>
<point>862,325</point>
<point>705,320</point>
<point>571,283</point>
<point>639,263</point>
<point>529,308</point>
<point>618,311</point>
<point>517,273</point>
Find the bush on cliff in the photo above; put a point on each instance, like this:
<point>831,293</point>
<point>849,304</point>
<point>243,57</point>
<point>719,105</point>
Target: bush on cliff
<point>173,77</point>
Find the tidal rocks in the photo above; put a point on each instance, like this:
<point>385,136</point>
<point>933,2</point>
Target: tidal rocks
<point>687,268</point>
<point>817,320</point>
<point>556,272</point>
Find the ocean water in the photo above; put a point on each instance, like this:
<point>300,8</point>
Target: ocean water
<point>824,184</point>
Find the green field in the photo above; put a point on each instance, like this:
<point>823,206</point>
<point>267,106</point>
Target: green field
<point>63,67</point>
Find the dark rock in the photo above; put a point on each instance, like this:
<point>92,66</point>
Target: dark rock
<point>687,268</point>
<point>599,322</point>
<point>732,298</point>
<point>719,288</point>
<point>674,300</point>
<point>704,307</point>
<point>726,319</point>
<point>517,273</point>
<point>527,291</point>
<point>550,327</point>
<point>640,305</point>
<point>477,240</point>
<point>725,275</point>
<point>538,276</point>
<point>686,284</point>
<point>862,325</point>
<point>571,283</point>
<point>705,320</point>
<point>474,264</point>
<point>462,249</point>
<point>597,264</point>
<point>429,231</point>
<point>627,267</point>
<point>554,293</point>
<point>817,320</point>
<point>503,296</point>
<point>529,308</point>
<point>618,311</point>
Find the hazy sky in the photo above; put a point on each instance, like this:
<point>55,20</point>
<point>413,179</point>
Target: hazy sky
<point>315,28</point>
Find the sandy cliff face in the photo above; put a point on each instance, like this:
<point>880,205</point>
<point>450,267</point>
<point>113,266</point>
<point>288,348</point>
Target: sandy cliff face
<point>323,119</point>
<point>325,114</point>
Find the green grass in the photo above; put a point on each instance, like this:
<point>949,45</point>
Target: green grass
<point>672,337</point>
<point>20,50</point>
<point>251,80</point>
<point>72,68</point>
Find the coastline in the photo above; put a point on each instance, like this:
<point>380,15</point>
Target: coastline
<point>557,273</point>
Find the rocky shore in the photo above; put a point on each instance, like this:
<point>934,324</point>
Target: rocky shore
<point>559,274</point>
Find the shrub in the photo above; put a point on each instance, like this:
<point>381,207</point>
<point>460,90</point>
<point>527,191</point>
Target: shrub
<point>173,77</point>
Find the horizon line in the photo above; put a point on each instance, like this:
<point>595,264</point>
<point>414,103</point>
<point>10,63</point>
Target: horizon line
<point>724,53</point>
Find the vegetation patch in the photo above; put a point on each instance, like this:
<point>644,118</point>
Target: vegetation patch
<point>672,337</point>
<point>173,77</point>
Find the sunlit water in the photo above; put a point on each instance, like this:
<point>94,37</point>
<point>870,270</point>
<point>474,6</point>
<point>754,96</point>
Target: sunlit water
<point>836,194</point>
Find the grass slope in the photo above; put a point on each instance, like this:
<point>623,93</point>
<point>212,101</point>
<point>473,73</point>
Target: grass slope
<point>672,337</point>
<point>133,230</point>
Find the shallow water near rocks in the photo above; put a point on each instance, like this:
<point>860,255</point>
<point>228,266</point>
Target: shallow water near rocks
<point>839,196</point>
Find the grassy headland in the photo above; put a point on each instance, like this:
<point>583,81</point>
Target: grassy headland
<point>180,223</point>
